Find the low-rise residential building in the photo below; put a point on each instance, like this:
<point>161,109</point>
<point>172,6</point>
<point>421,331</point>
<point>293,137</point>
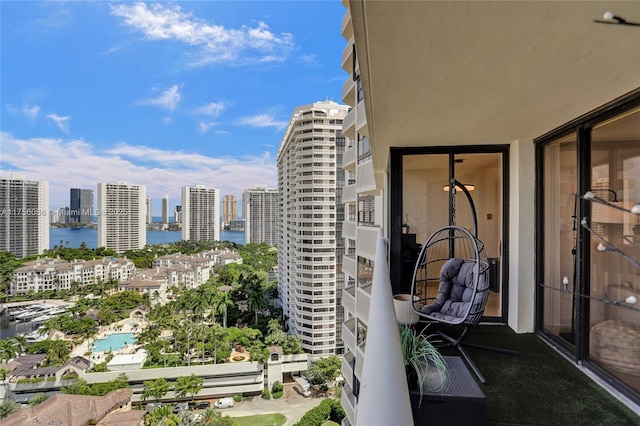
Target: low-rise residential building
<point>56,274</point>
<point>64,409</point>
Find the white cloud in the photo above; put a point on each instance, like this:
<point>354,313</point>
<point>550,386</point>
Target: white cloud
<point>168,99</point>
<point>205,127</point>
<point>262,120</point>
<point>213,109</point>
<point>31,112</point>
<point>77,163</point>
<point>61,121</point>
<point>215,43</point>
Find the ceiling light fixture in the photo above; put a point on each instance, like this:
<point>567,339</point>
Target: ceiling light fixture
<point>610,18</point>
<point>468,186</point>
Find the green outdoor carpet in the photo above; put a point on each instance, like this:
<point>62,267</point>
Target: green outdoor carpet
<point>538,386</point>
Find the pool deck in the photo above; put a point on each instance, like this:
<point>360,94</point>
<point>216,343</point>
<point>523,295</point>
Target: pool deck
<point>123,326</point>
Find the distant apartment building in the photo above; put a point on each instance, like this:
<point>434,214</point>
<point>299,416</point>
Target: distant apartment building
<point>309,191</point>
<point>177,214</point>
<point>63,215</point>
<point>229,209</point>
<point>54,216</point>
<point>261,215</point>
<point>24,215</point>
<point>149,211</point>
<point>165,209</point>
<point>200,213</point>
<point>80,206</point>
<point>121,216</point>
<point>190,271</point>
<point>56,274</point>
<point>236,225</point>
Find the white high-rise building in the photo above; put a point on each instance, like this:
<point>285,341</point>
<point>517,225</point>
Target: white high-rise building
<point>165,209</point>
<point>200,213</point>
<point>24,215</point>
<point>122,216</point>
<point>308,235</point>
<point>149,210</point>
<point>261,214</point>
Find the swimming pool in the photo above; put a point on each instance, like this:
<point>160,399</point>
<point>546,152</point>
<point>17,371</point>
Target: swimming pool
<point>113,342</point>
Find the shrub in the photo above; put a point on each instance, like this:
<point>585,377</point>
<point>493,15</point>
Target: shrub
<point>237,398</point>
<point>329,409</point>
<point>266,394</point>
<point>278,394</point>
<point>277,387</point>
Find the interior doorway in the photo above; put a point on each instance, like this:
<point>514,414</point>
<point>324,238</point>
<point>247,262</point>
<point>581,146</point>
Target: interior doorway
<point>426,205</point>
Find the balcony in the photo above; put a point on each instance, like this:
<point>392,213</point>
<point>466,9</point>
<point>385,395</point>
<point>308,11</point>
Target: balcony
<point>363,301</point>
<point>366,182</point>
<point>349,299</point>
<point>349,334</point>
<point>349,92</point>
<point>349,158</point>
<point>540,376</point>
<point>349,124</point>
<point>347,56</point>
<point>349,266</point>
<point>347,26</point>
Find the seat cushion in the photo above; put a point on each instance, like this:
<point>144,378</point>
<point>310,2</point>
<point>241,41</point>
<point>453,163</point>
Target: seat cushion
<point>455,291</point>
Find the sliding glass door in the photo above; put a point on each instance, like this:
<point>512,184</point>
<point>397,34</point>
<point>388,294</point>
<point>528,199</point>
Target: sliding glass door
<point>422,204</point>
<point>589,241</point>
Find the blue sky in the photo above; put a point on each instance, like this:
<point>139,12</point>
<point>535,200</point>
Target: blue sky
<point>164,94</point>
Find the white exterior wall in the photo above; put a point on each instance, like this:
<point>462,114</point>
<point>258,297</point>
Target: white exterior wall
<point>261,213</point>
<point>122,216</point>
<point>200,213</point>
<point>24,215</point>
<point>307,182</point>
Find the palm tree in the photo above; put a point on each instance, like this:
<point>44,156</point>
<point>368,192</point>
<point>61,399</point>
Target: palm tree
<point>202,331</point>
<point>4,373</point>
<point>20,343</point>
<point>256,302</point>
<point>223,303</point>
<point>7,350</point>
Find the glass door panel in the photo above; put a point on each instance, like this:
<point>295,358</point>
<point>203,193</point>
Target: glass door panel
<point>614,326</point>
<point>560,180</point>
<point>426,205</point>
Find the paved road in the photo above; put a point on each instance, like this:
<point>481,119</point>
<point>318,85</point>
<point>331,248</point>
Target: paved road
<point>292,405</point>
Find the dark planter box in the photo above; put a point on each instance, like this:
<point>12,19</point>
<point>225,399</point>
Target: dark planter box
<point>461,403</point>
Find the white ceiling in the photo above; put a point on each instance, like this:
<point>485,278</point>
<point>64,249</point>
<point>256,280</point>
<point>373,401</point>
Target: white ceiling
<point>473,72</point>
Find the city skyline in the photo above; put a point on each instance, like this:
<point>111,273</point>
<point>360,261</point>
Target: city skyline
<point>162,94</point>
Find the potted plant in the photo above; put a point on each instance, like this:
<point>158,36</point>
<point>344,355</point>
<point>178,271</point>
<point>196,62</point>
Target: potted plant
<point>425,366</point>
<point>405,224</point>
<point>403,305</point>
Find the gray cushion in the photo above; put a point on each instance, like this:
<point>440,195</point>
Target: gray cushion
<point>455,291</point>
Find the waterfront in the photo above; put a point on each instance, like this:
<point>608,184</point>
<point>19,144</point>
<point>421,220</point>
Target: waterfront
<point>76,236</point>
<point>10,328</point>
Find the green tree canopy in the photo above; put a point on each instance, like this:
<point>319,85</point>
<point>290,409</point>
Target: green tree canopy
<point>155,388</point>
<point>325,369</point>
<point>188,385</point>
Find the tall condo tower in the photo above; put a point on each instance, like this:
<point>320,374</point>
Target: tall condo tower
<point>24,215</point>
<point>307,241</point>
<point>165,209</point>
<point>229,208</point>
<point>261,215</point>
<point>200,213</point>
<point>149,210</point>
<point>80,206</point>
<point>122,216</point>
